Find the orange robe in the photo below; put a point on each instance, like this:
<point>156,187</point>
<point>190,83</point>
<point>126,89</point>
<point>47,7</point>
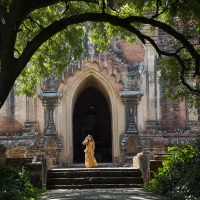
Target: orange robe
<point>90,160</point>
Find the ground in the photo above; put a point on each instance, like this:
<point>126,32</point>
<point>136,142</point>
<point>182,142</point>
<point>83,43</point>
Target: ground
<point>100,194</point>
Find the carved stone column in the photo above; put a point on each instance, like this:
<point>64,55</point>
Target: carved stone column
<point>50,99</point>
<point>51,144</point>
<point>130,100</point>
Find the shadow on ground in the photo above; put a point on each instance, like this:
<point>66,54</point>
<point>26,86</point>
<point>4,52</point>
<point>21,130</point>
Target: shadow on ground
<point>93,194</point>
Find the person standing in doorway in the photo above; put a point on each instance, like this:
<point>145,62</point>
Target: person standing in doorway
<point>90,160</point>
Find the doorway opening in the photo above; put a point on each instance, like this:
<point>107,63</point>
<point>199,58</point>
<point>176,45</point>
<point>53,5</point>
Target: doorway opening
<point>92,116</point>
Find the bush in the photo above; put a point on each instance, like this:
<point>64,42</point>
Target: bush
<point>15,185</point>
<point>179,176</point>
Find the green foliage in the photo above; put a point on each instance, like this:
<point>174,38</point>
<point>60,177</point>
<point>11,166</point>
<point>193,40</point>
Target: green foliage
<point>179,176</point>
<point>183,16</point>
<point>172,86</point>
<point>185,9</point>
<point>58,57</point>
<point>15,185</point>
<point>2,148</point>
<point>5,4</point>
<point>65,47</point>
<point>58,52</point>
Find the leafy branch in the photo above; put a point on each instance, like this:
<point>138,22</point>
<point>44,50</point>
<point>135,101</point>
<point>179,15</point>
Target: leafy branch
<point>158,4</point>
<point>35,22</point>
<point>126,23</point>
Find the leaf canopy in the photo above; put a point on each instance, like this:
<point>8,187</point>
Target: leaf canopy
<point>179,19</point>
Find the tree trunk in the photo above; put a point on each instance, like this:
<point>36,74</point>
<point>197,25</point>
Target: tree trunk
<point>7,80</point>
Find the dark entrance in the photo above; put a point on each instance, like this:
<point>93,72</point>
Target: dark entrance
<point>92,116</point>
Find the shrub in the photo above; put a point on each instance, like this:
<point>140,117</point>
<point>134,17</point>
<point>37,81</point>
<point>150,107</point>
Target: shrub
<point>15,185</point>
<point>179,176</point>
<point>2,148</point>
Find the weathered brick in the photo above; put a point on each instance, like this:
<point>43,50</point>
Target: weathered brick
<point>8,125</point>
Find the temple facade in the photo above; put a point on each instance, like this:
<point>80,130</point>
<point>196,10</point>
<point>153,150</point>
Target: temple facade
<point>114,95</point>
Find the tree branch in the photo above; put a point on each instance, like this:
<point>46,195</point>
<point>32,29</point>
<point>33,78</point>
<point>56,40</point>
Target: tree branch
<point>30,5</point>
<point>17,51</point>
<point>183,67</point>
<point>103,6</point>
<point>35,22</point>
<point>171,31</point>
<point>158,4</point>
<point>36,4</point>
<point>126,23</point>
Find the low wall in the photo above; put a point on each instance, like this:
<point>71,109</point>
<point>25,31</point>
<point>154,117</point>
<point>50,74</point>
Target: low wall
<point>36,171</point>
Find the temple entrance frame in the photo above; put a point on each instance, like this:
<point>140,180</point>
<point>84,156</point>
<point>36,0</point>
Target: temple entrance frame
<point>94,77</point>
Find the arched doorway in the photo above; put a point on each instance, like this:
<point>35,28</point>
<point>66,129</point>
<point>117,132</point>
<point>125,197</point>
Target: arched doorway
<point>91,115</point>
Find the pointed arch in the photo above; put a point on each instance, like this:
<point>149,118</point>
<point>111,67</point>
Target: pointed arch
<point>90,77</point>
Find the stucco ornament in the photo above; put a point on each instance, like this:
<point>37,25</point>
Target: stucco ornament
<point>132,79</point>
<point>52,82</point>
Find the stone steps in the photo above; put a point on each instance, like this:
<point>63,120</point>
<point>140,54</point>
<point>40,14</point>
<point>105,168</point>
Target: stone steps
<point>92,186</point>
<point>82,178</point>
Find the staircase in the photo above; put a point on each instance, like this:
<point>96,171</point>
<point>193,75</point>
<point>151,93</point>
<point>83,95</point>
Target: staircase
<point>83,178</point>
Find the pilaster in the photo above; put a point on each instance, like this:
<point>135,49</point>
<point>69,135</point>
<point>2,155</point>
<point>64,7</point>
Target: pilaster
<point>50,144</point>
<point>152,123</point>
<point>192,120</point>
<point>31,124</point>
<point>130,100</point>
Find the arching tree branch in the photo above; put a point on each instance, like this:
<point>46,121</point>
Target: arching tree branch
<point>23,8</point>
<point>116,21</point>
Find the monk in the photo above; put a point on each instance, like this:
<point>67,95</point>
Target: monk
<point>90,160</point>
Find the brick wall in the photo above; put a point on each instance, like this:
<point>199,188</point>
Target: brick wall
<point>173,114</point>
<point>8,124</point>
<point>132,53</point>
